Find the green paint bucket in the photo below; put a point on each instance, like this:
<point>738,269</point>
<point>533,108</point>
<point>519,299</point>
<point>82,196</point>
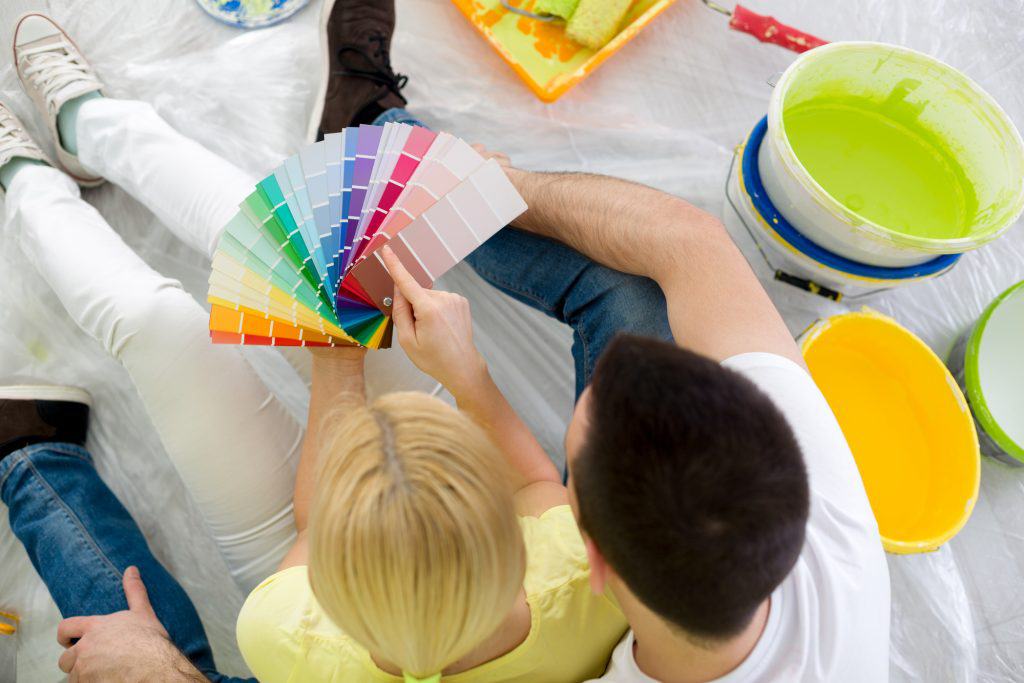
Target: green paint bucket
<point>889,157</point>
<point>987,363</point>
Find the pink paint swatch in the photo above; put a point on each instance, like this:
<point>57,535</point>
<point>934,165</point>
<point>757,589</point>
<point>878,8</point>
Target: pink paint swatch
<point>446,232</point>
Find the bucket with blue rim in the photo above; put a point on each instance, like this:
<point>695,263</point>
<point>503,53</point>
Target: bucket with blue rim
<point>794,258</point>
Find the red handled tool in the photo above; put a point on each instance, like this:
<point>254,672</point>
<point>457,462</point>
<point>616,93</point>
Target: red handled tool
<point>767,29</point>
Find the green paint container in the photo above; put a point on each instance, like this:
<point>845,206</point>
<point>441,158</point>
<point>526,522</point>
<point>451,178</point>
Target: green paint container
<point>890,157</point>
<point>988,363</point>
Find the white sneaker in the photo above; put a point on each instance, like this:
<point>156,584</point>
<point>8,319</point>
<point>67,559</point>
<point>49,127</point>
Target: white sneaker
<point>15,141</point>
<point>53,71</point>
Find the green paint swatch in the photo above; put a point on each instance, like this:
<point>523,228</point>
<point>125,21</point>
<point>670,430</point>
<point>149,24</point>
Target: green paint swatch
<point>880,163</point>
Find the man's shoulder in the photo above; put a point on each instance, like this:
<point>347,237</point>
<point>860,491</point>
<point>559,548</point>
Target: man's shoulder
<point>622,666</point>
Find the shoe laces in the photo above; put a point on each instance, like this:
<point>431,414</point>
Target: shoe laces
<point>13,137</point>
<point>53,66</point>
<point>379,61</point>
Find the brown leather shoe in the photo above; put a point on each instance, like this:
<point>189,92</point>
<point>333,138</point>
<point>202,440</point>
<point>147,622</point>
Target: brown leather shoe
<point>358,82</point>
<point>40,413</point>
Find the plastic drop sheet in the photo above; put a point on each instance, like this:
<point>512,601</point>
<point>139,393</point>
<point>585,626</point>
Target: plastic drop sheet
<point>667,111</point>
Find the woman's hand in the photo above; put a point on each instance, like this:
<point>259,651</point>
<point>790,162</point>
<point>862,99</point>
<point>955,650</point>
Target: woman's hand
<point>347,354</point>
<point>340,367</point>
<point>436,330</point>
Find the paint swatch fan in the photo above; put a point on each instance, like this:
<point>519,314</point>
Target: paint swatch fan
<point>299,264</point>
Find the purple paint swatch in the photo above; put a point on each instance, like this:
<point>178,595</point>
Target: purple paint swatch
<point>366,154</point>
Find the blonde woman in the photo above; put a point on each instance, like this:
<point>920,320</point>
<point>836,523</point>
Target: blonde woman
<point>433,542</point>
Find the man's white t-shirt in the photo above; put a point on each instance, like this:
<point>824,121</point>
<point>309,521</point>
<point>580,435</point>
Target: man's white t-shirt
<point>829,620</point>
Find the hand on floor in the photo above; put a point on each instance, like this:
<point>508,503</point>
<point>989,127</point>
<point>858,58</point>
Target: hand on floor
<point>131,645</point>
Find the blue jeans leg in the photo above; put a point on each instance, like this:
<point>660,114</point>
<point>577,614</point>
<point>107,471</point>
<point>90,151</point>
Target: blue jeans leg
<point>398,115</point>
<point>595,301</point>
<point>81,539</point>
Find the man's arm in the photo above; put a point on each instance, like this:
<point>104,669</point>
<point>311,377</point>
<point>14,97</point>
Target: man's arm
<point>716,306</point>
<point>337,380</point>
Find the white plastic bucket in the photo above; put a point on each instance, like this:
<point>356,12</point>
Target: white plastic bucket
<point>940,100</point>
<point>794,258</point>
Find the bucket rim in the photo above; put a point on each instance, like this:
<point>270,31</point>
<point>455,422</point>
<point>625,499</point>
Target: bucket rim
<point>901,547</point>
<point>754,188</point>
<point>972,379</point>
<point>856,220</point>
<point>261,21</point>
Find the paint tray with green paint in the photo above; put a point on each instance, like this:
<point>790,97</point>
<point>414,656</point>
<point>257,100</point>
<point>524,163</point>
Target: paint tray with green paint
<point>539,51</point>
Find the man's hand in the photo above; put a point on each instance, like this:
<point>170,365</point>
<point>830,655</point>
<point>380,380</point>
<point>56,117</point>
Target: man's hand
<point>435,330</point>
<point>500,157</point>
<point>128,646</point>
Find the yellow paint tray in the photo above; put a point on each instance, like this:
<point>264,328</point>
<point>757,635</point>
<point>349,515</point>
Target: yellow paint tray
<point>539,51</point>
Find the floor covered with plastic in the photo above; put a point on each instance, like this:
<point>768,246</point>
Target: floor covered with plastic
<point>667,111</point>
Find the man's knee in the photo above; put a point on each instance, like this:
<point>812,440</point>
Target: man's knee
<point>629,303</point>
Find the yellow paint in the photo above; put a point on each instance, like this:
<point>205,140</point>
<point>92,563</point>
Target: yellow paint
<point>907,424</point>
<point>8,629</point>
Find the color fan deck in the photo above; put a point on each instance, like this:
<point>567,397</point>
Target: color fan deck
<point>300,265</point>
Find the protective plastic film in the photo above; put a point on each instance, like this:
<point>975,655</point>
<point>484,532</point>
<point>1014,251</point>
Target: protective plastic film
<point>666,111</point>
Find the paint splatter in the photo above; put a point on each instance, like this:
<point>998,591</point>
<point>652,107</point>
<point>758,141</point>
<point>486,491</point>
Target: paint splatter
<point>550,40</point>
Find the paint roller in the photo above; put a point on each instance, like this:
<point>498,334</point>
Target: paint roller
<point>766,28</point>
<point>591,23</point>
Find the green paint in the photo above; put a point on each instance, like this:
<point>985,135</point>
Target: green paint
<point>876,160</point>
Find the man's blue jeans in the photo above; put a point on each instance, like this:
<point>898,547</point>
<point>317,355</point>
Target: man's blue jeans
<point>81,539</point>
<point>595,301</point>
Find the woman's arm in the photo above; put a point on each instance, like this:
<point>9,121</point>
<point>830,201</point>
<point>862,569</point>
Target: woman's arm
<point>435,329</point>
<point>337,379</point>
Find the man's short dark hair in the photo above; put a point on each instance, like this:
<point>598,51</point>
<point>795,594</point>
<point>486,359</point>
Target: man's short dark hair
<point>691,484</point>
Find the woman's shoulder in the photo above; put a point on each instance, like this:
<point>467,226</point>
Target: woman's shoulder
<point>280,626</point>
<point>555,554</point>
<point>557,585</point>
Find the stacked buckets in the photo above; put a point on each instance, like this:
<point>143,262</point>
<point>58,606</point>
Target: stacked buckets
<point>876,166</point>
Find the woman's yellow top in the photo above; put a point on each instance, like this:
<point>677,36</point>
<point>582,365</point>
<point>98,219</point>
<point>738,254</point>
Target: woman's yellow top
<point>285,636</point>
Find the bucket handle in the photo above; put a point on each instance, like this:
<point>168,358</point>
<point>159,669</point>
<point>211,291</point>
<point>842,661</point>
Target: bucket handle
<point>778,273</point>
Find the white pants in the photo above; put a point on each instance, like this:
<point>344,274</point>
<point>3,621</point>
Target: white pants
<point>234,445</point>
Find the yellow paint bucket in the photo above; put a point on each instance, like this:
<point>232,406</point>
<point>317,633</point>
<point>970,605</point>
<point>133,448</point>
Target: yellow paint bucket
<point>906,421</point>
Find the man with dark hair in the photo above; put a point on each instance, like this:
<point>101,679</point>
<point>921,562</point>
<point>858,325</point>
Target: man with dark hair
<point>717,496</point>
<point>714,460</point>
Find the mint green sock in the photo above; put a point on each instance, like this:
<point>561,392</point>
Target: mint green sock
<point>11,168</point>
<point>67,117</point>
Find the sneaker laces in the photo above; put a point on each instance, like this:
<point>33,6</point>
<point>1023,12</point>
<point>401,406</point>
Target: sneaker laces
<point>380,70</point>
<point>13,137</point>
<point>53,66</point>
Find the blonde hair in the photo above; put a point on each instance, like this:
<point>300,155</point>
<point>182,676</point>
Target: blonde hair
<point>415,548</point>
